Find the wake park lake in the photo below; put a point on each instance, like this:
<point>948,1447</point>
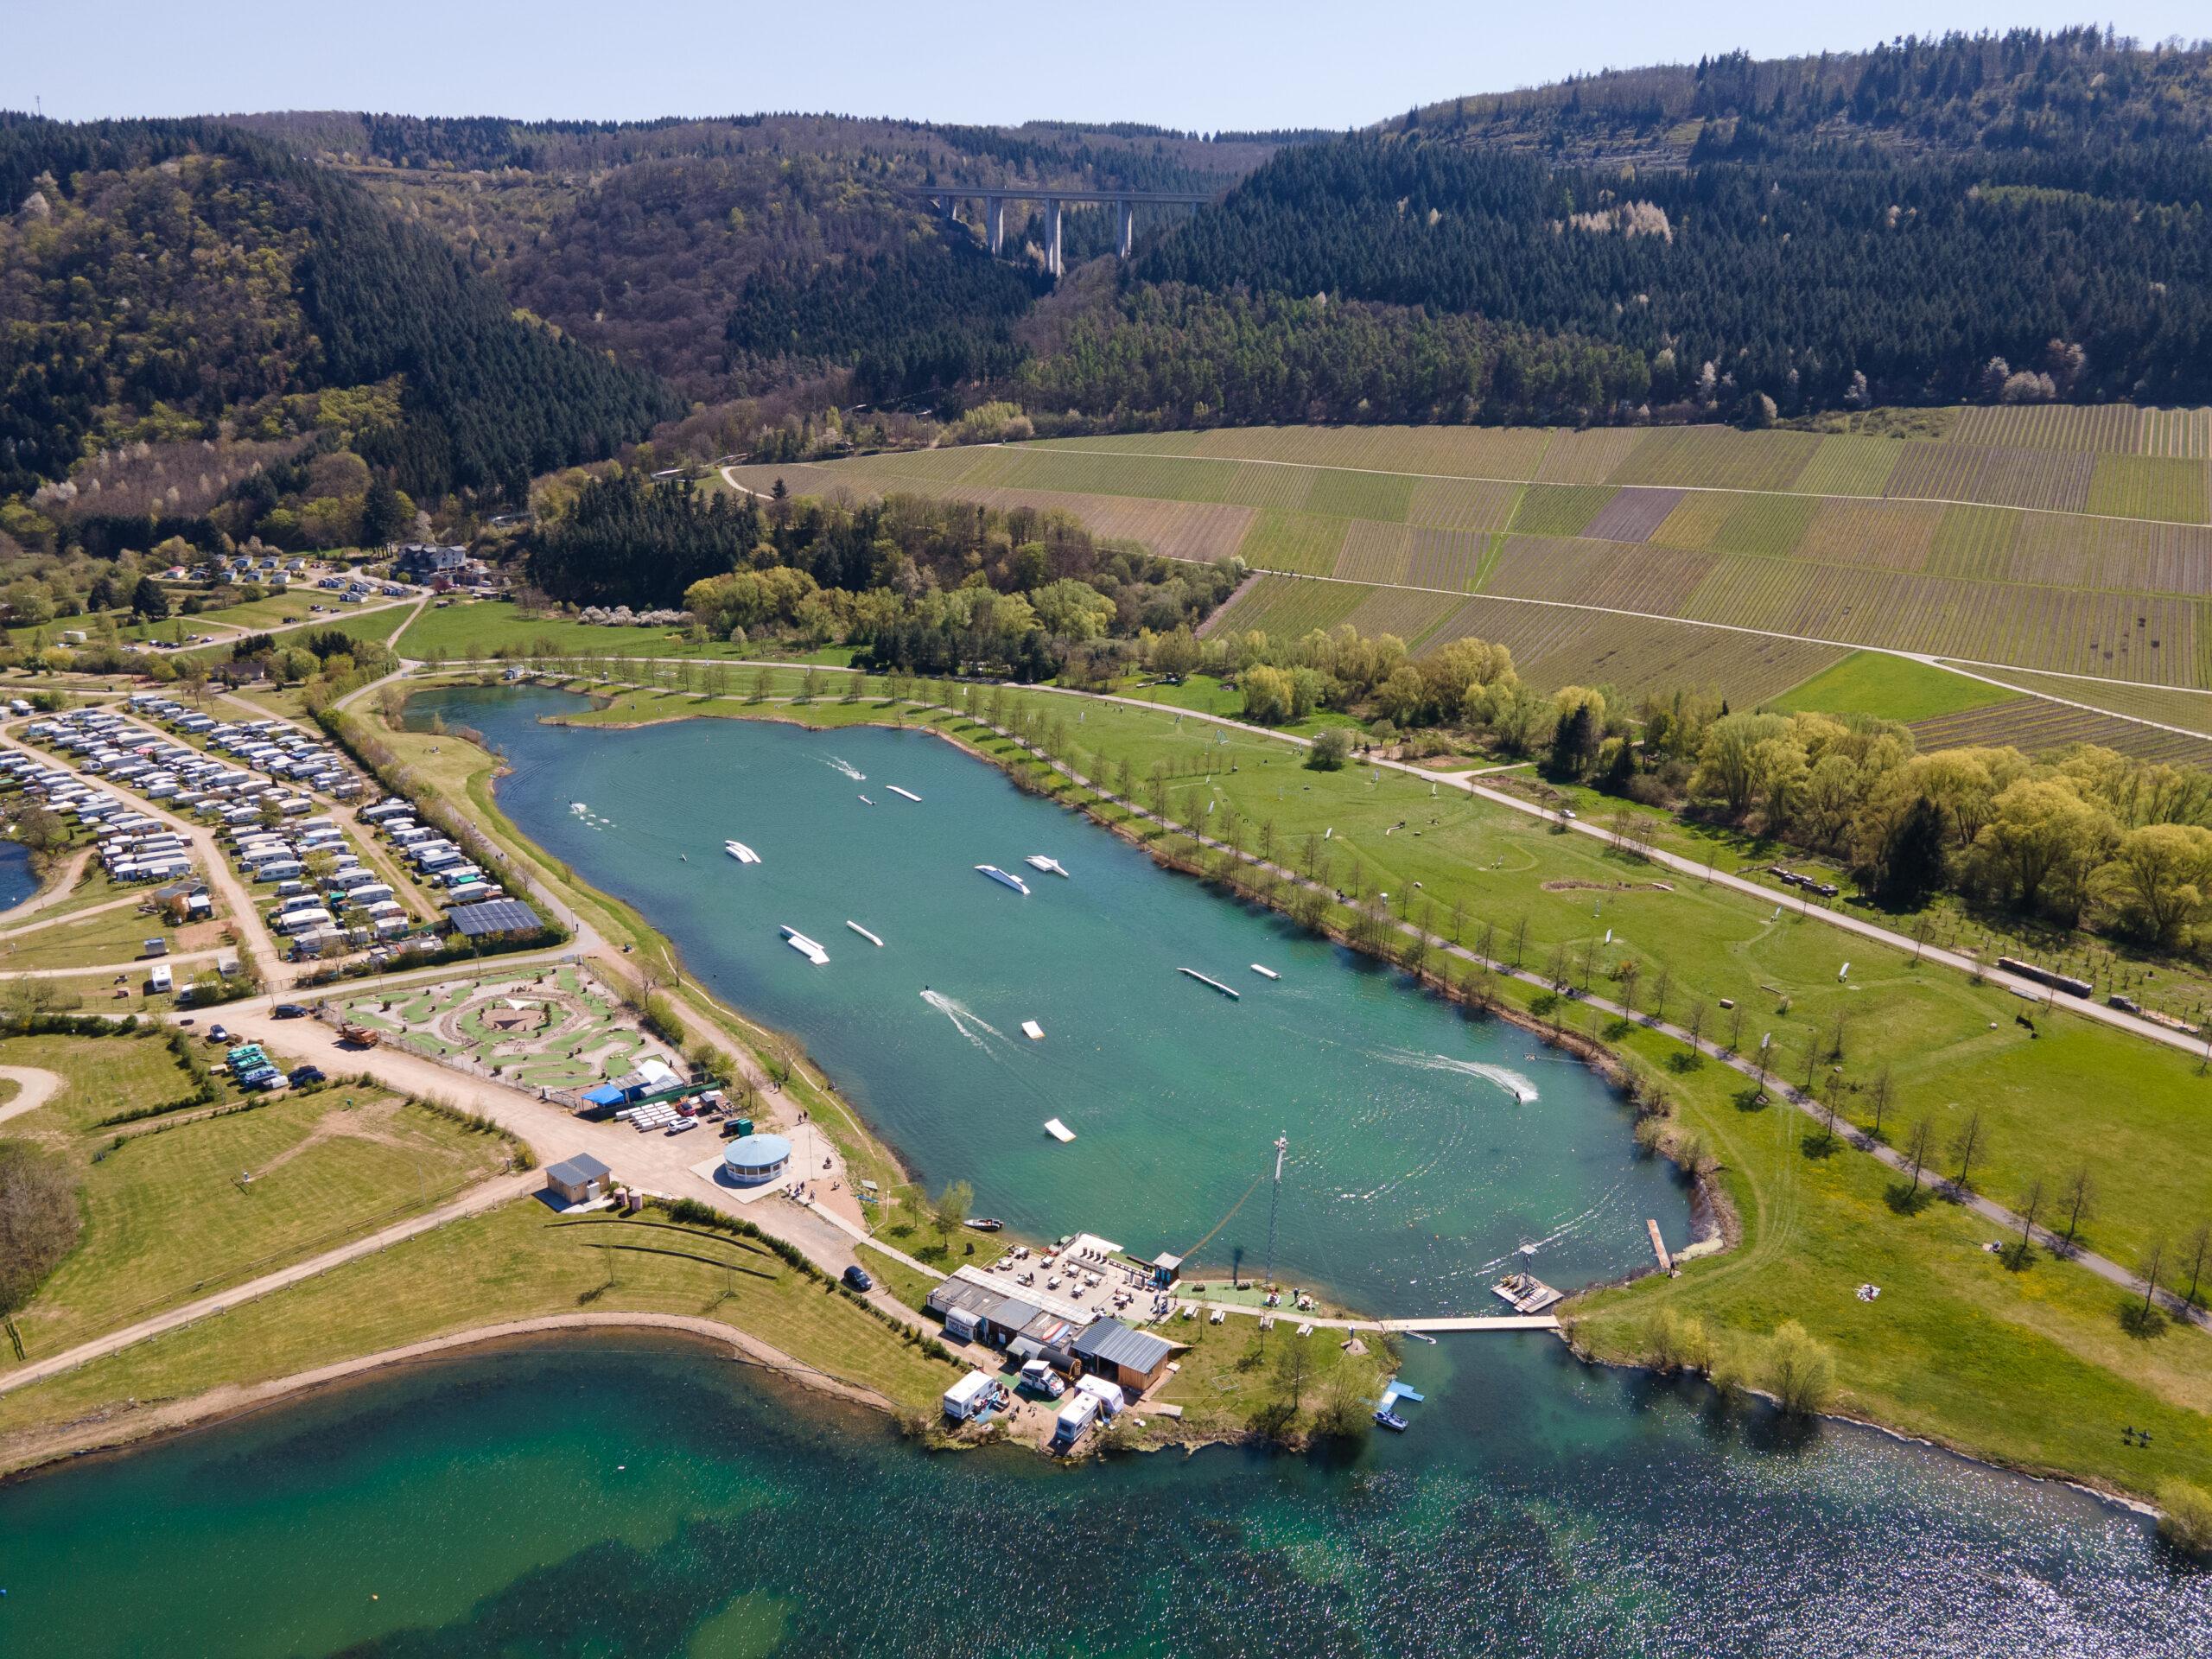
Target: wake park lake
<point>1425,1147</point>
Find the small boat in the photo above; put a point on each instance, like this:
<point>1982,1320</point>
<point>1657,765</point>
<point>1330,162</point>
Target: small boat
<point>1058,1130</point>
<point>865,934</point>
<point>983,1223</point>
<point>1049,865</point>
<point>1265,973</point>
<point>1004,879</point>
<point>1032,1031</point>
<point>578,807</point>
<point>1422,1336</point>
<point>866,802</point>
<point>806,947</point>
<point>908,793</point>
<point>740,852</point>
<point>1215,984</point>
<point>1391,1419</point>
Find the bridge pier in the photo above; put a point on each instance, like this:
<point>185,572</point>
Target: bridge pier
<point>995,222</point>
<point>1052,260</point>
<point>1126,230</point>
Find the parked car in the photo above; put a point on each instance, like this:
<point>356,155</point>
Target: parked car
<point>288,1011</point>
<point>303,1075</point>
<point>857,1276</point>
<point>217,1034</point>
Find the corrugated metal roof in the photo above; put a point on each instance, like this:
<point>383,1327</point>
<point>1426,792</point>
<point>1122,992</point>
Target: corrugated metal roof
<point>1111,1340</point>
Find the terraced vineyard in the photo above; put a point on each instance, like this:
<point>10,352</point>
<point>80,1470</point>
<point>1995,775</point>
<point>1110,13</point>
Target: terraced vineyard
<point>2035,725</point>
<point>2044,539</point>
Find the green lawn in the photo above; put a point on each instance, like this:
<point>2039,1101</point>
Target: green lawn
<point>1888,687</point>
<point>1943,1038</point>
<point>2032,1366</point>
<point>114,936</point>
<point>512,1262</point>
<point>2029,1366</point>
<point>1204,693</point>
<point>166,1212</point>
<point>1234,1368</point>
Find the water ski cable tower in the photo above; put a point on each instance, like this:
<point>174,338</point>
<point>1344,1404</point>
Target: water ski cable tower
<point>1275,1202</point>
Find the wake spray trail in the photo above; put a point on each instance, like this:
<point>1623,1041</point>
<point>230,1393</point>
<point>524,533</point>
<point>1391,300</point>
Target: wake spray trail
<point>1513,1083</point>
<point>838,763</point>
<point>1565,1229</point>
<point>964,1020</point>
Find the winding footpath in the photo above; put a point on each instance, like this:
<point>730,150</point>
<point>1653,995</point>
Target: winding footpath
<point>2103,1267</point>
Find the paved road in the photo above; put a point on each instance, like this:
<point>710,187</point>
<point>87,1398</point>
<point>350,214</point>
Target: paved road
<point>654,1163</point>
<point>254,942</point>
<point>2015,1224</point>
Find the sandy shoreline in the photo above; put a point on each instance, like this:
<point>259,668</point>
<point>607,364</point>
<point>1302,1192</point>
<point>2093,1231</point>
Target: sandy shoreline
<point>138,1422</point>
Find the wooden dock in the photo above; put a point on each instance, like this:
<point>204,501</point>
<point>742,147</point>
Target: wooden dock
<point>1659,1248</point>
<point>1525,1293</point>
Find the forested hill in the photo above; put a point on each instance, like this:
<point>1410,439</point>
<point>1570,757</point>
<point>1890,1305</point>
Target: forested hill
<point>2022,89</point>
<point>167,281</point>
<point>687,246</point>
<point>1786,259</point>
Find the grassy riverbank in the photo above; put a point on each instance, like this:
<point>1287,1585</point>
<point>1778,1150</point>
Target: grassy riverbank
<point>2036,1367</point>
<point>511,1262</point>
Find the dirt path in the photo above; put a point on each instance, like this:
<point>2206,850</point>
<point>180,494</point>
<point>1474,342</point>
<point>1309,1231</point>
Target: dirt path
<point>34,1088</point>
<point>121,1424</point>
<point>63,884</point>
<point>495,1192</point>
<point>657,1164</point>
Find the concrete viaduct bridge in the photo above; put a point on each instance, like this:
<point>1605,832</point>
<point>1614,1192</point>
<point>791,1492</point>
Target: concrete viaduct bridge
<point>947,199</point>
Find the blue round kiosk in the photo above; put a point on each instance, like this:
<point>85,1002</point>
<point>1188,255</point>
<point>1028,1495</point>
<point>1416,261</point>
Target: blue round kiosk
<point>755,1159</point>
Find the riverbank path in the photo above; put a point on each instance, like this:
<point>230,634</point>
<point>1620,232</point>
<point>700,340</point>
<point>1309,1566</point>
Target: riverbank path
<point>497,1190</point>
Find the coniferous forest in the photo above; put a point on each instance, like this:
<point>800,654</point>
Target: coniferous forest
<point>303,327</point>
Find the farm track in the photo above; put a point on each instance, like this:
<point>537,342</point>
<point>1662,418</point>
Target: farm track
<point>2064,545</point>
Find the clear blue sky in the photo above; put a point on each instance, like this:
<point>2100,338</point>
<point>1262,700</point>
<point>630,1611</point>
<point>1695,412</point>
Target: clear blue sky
<point>1191,64</point>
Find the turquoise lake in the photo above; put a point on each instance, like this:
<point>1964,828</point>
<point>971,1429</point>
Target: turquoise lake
<point>639,1499</point>
<point>1425,1147</point>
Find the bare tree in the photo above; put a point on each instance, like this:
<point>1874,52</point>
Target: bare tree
<point>1696,1022</point>
<point>1881,1091</point>
<point>1964,1145</point>
<point>2197,1247</point>
<point>1659,989</point>
<point>1458,920</point>
<point>1555,970</point>
<point>2152,1264</point>
<point>1630,972</point>
<point>1489,938</point>
<point>1917,1144</point>
<point>2077,1196</point>
<point>1736,1029</point>
<point>2030,1206</point>
<point>1519,939</point>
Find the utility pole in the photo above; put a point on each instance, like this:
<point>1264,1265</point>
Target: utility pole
<point>1274,1200</point>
